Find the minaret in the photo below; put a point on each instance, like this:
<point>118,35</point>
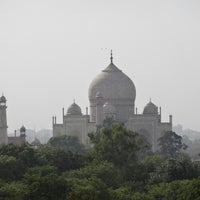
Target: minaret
<point>3,121</point>
<point>22,131</point>
<point>23,134</point>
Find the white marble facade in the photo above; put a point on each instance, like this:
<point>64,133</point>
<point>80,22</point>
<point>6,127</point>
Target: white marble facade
<point>112,94</point>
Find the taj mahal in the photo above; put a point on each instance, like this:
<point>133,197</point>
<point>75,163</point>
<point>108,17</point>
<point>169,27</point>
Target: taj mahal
<point>112,94</point>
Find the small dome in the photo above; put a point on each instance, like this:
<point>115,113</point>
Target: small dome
<point>36,142</point>
<point>22,129</point>
<point>3,99</point>
<point>74,109</point>
<point>150,108</point>
<point>108,108</point>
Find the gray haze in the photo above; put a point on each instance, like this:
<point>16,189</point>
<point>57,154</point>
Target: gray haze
<point>50,50</point>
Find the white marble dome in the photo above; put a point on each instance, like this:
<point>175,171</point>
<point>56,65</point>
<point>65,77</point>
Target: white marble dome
<point>112,83</point>
<point>150,108</point>
<point>116,88</point>
<point>74,109</point>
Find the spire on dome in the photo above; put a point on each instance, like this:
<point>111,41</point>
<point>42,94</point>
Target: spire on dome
<point>111,56</point>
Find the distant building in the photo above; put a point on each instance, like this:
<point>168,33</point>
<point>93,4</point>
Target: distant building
<point>18,140</point>
<point>112,95</point>
<point>4,138</point>
<point>36,143</point>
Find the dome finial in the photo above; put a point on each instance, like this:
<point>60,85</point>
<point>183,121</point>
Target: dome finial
<point>111,56</point>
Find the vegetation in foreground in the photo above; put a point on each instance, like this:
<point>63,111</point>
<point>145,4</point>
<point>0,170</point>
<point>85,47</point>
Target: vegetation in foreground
<point>120,166</point>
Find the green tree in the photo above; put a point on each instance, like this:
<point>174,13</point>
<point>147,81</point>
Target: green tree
<point>171,144</point>
<point>104,171</point>
<point>42,170</point>
<point>116,144</point>
<point>49,187</point>
<point>14,191</point>
<point>122,193</point>
<point>10,168</point>
<point>145,167</point>
<point>28,156</point>
<point>67,143</point>
<point>59,158</point>
<point>84,189</point>
<point>190,190</point>
<point>25,153</point>
<point>176,190</point>
<point>175,168</point>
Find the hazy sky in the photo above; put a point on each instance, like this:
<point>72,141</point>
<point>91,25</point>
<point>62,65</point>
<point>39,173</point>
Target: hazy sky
<point>50,50</point>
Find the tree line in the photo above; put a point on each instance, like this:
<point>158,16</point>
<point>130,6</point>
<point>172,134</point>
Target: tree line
<point>119,166</point>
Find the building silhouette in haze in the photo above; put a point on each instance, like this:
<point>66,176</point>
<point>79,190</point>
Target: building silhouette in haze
<point>112,95</point>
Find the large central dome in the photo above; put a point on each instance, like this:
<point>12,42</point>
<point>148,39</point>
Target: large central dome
<point>116,88</point>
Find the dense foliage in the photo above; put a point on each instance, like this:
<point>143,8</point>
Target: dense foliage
<point>171,144</point>
<point>116,168</point>
<point>116,144</point>
<point>67,143</point>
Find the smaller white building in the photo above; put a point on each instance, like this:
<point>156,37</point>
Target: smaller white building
<point>149,124</point>
<point>74,124</point>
